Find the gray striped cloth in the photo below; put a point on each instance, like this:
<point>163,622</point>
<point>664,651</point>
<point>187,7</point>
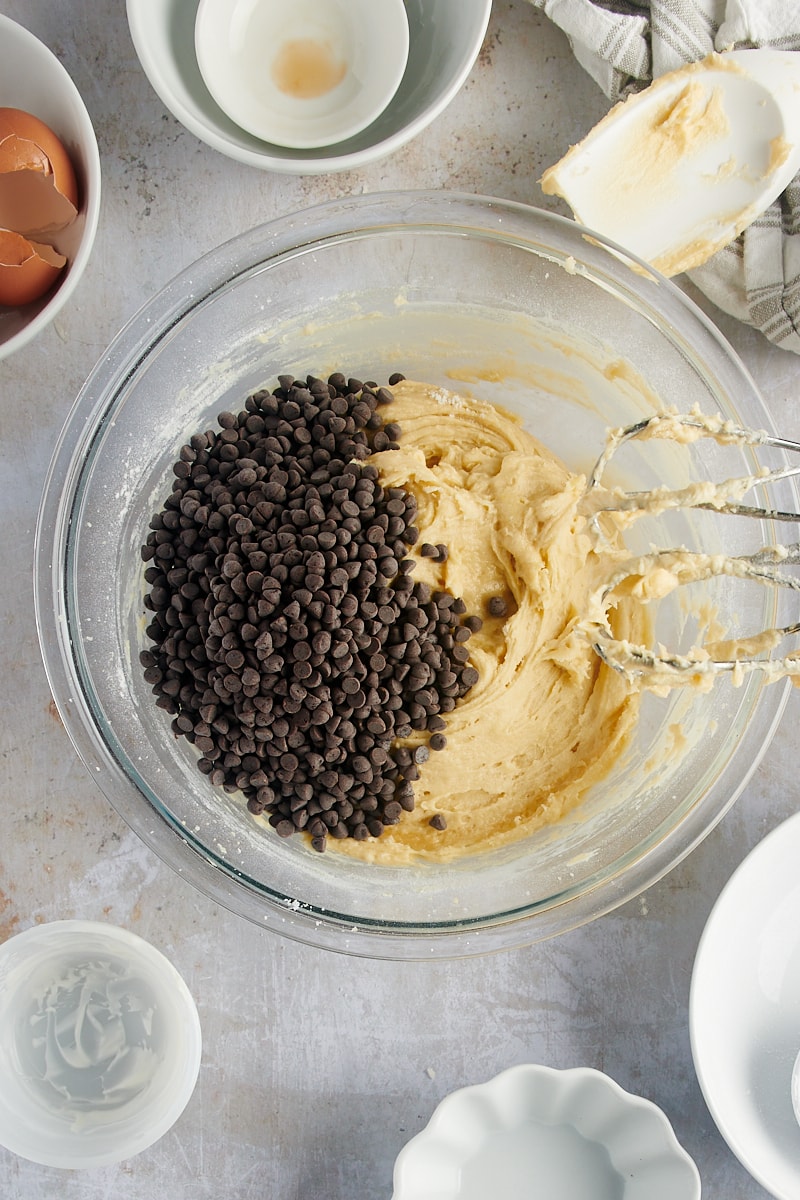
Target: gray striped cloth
<point>624,44</point>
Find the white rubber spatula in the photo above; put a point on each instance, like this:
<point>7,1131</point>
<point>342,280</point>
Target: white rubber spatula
<point>677,171</point>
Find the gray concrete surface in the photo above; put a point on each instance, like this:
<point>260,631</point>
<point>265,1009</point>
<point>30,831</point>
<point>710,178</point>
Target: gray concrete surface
<point>318,1068</point>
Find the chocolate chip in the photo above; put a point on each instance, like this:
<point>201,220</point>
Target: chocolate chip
<point>290,645</point>
<point>438,822</point>
<point>497,606</point>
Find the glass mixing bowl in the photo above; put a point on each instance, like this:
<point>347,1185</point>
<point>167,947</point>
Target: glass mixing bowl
<point>515,305</point>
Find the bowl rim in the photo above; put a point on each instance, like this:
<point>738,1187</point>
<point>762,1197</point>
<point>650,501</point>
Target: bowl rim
<point>141,337</point>
<point>93,187</point>
<point>138,23</point>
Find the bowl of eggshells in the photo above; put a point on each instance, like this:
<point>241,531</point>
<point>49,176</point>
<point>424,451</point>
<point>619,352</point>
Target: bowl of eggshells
<point>49,186</point>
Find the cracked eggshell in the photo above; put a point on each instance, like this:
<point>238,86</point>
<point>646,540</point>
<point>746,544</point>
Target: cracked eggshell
<point>38,201</point>
<point>21,136</point>
<point>27,268</point>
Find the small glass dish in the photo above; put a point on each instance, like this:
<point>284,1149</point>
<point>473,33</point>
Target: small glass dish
<point>535,1133</point>
<point>99,1044</point>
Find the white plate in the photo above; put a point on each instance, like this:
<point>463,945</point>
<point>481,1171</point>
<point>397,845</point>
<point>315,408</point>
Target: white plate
<point>745,1011</point>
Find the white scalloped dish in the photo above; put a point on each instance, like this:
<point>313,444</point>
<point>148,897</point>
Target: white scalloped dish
<point>537,1133</point>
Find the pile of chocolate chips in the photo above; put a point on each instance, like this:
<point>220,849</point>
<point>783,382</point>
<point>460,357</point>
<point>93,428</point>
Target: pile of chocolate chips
<point>290,643</point>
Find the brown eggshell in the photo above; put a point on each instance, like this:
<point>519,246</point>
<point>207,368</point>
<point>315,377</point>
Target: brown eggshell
<point>38,201</point>
<point>27,269</point>
<point>17,128</point>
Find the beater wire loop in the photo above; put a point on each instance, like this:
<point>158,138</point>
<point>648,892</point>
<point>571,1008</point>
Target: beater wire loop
<point>679,567</point>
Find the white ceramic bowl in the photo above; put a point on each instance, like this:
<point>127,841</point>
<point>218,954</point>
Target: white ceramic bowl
<point>444,39</point>
<point>307,74</point>
<point>537,1133</point>
<point>32,78</point>
<point>122,1040</point>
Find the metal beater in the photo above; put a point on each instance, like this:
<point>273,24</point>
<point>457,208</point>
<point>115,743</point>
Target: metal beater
<point>679,567</point>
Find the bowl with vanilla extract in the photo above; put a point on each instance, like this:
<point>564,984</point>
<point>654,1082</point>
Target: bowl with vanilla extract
<point>308,88</point>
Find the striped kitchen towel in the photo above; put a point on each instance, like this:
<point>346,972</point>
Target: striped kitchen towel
<point>624,45</point>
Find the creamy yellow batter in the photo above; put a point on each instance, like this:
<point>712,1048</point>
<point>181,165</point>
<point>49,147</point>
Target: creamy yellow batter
<point>546,719</point>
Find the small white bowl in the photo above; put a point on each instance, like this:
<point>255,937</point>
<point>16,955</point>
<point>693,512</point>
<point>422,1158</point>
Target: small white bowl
<point>306,74</point>
<point>445,37</point>
<point>99,1044</point>
<point>536,1133</point>
<point>32,78</point>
